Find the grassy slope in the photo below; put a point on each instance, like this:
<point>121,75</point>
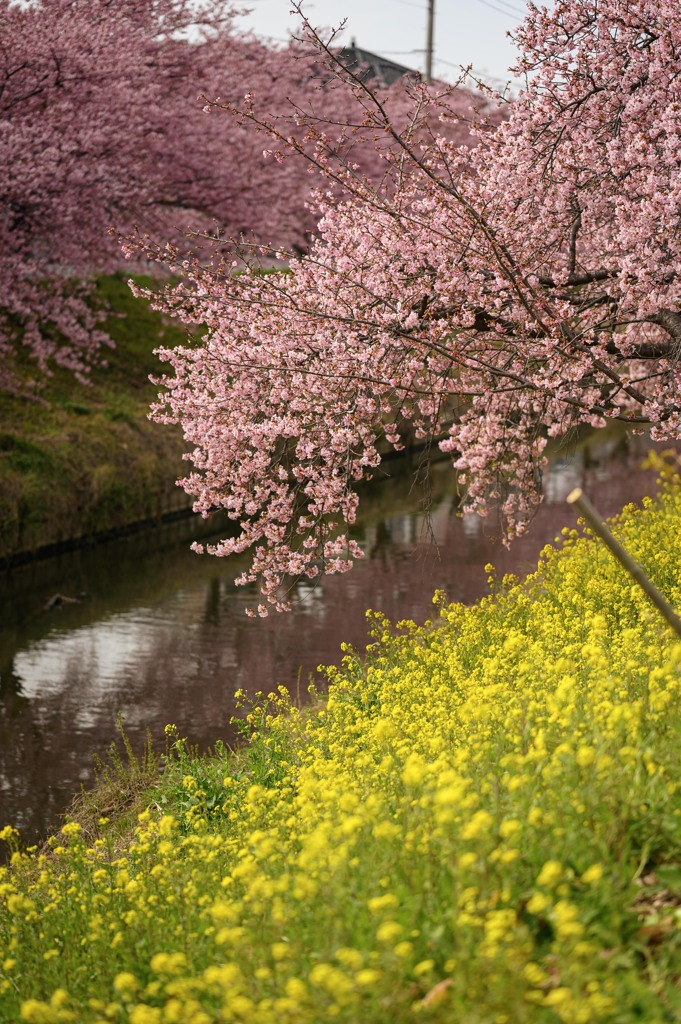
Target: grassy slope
<point>86,459</point>
<point>481,825</point>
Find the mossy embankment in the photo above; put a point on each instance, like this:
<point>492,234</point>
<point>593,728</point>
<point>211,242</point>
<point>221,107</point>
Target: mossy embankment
<point>481,824</point>
<point>76,460</point>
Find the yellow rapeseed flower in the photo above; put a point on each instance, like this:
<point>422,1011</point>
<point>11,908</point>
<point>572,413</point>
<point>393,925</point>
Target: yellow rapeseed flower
<point>125,983</point>
<point>550,874</point>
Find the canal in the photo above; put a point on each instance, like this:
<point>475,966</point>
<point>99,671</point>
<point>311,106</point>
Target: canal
<point>145,628</point>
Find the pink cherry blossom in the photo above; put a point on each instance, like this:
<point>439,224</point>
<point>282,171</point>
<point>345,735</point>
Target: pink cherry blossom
<point>486,293</point>
<point>108,125</point>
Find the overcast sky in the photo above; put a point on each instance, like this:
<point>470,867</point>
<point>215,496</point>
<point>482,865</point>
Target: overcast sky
<point>466,31</point>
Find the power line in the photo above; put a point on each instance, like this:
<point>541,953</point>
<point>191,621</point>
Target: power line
<point>408,3</point>
<point>512,7</point>
<point>449,63</point>
<point>509,14</point>
<point>461,67</point>
<point>519,11</point>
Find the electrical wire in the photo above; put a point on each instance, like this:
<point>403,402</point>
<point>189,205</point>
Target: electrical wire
<point>522,12</point>
<point>513,13</point>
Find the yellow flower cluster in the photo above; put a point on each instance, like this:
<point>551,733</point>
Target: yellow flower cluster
<point>456,835</point>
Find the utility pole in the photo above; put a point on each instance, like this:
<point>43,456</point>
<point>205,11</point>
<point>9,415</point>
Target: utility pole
<point>429,40</point>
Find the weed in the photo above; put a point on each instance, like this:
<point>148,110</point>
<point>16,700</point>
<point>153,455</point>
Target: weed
<point>122,778</point>
<point>482,823</point>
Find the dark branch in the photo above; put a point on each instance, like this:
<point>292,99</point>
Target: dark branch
<point>670,321</point>
<point>578,279</point>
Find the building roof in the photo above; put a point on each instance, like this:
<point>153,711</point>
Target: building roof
<point>374,66</point>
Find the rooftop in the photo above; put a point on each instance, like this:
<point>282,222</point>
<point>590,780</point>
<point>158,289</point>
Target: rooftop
<point>375,67</point>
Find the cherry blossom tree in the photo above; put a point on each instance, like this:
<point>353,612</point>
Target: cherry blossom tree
<point>74,100</point>
<point>102,127</point>
<point>489,297</point>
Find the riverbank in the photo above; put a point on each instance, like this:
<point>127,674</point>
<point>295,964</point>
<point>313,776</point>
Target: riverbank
<point>80,461</point>
<point>481,823</point>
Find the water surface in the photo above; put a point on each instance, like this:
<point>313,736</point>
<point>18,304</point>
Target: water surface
<point>144,627</point>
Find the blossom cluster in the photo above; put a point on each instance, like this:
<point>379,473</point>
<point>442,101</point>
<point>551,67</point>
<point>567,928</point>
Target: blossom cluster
<point>483,297</point>
<point>481,822</point>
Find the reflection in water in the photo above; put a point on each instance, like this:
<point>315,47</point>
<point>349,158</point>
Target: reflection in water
<point>160,634</point>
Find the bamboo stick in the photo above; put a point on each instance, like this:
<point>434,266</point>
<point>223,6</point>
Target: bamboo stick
<point>578,498</point>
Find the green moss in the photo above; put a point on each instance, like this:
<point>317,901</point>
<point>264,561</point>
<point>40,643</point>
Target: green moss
<point>77,408</point>
<point>79,459</point>
<point>23,456</point>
